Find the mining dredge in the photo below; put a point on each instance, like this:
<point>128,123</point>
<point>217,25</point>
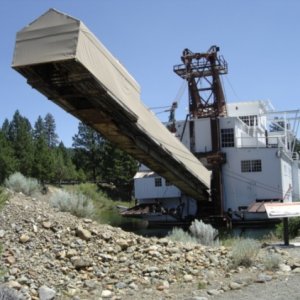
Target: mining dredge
<point>214,164</point>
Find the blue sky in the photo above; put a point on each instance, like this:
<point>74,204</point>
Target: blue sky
<point>260,39</point>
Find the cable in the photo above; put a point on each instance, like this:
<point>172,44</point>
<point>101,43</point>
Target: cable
<point>158,107</point>
<point>261,185</point>
<point>231,86</point>
<point>180,92</point>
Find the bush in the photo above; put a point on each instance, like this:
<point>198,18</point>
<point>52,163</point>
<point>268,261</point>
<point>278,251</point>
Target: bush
<point>76,203</point>
<point>202,285</point>
<point>19,183</point>
<point>244,252</point>
<point>3,197</point>
<point>272,261</point>
<point>294,226</point>
<point>200,233</point>
<point>179,235</point>
<point>91,191</point>
<point>7,293</point>
<point>205,234</point>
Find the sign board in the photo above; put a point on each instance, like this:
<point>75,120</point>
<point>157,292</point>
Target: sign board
<point>283,210</point>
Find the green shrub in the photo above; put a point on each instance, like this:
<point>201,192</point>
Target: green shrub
<point>76,203</point>
<point>199,233</point>
<point>179,235</point>
<point>205,234</point>
<point>272,261</point>
<point>3,197</point>
<point>19,183</point>
<point>88,189</point>
<point>202,285</point>
<point>244,252</point>
<point>105,208</point>
<point>293,227</point>
<point>91,191</point>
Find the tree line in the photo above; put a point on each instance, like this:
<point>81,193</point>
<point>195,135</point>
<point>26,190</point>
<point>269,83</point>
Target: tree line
<point>35,151</point>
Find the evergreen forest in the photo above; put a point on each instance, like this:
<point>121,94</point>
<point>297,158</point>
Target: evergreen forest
<point>36,151</point>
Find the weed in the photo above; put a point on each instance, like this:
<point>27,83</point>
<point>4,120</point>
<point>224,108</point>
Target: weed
<point>293,227</point>
<point>76,203</point>
<point>105,210</point>
<point>3,197</point>
<point>19,183</point>
<point>90,190</point>
<point>205,234</point>
<point>200,233</point>
<point>272,261</point>
<point>179,235</point>
<point>228,242</point>
<point>244,252</point>
<point>201,285</point>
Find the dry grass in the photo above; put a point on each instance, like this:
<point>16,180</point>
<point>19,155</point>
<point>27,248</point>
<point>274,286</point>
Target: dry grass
<point>244,251</point>
<point>19,183</point>
<point>205,234</point>
<point>76,203</point>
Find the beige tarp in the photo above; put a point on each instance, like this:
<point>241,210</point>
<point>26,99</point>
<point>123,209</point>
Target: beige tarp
<point>57,37</point>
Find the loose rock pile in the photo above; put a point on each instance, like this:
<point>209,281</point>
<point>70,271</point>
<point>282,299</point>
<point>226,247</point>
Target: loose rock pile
<point>48,255</point>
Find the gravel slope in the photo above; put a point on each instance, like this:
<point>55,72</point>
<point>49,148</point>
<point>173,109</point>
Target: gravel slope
<point>53,255</point>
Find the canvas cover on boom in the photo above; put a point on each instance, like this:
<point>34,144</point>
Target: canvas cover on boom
<point>63,60</point>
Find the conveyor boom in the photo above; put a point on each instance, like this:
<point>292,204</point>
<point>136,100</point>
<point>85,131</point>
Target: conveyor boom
<point>63,60</point>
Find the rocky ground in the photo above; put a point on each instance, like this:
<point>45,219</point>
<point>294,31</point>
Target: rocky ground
<point>48,254</point>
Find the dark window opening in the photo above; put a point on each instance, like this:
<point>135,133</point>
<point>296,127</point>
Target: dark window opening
<point>157,181</point>
<point>227,137</point>
<point>251,165</point>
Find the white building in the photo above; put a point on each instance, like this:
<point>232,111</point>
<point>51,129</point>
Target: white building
<point>261,164</point>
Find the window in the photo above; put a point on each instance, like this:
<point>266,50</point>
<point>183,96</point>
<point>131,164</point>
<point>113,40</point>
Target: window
<point>256,165</point>
<point>245,166</point>
<point>249,120</point>
<point>251,165</point>
<point>227,137</point>
<point>157,181</point>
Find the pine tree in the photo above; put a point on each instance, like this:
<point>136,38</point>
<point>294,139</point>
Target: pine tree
<point>39,129</point>
<point>118,167</point>
<point>5,128</point>
<point>88,146</point>
<point>7,159</point>
<point>42,168</point>
<point>20,136</point>
<point>64,169</point>
<point>50,130</point>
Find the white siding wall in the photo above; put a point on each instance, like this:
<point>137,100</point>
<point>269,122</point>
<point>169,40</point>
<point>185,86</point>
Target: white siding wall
<point>244,109</point>
<point>248,109</point>
<point>242,138</point>
<point>203,135</point>
<point>186,135</point>
<point>241,189</point>
<point>144,188</point>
